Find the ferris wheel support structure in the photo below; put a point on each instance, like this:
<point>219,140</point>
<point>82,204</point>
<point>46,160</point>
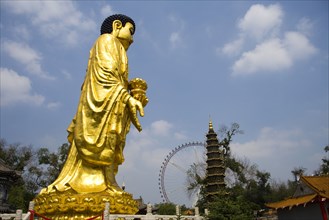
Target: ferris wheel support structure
<point>167,160</point>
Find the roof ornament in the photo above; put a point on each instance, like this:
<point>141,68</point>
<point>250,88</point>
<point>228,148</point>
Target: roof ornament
<point>210,123</point>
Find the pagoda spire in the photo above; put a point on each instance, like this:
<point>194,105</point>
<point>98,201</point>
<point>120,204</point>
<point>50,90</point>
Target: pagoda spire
<point>210,125</point>
<point>215,173</point>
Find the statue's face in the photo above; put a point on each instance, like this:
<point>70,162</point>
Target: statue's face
<point>125,35</point>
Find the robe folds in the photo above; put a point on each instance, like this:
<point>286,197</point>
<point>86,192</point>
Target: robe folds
<point>98,131</point>
<point>102,119</point>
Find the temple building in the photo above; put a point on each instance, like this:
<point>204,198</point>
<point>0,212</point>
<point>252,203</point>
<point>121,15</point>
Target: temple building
<point>7,177</point>
<point>215,172</point>
<point>310,200</point>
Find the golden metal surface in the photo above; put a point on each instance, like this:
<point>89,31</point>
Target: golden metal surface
<point>83,206</point>
<point>97,134</point>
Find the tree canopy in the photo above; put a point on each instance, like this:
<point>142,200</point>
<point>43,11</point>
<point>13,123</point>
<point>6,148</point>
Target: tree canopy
<point>39,168</point>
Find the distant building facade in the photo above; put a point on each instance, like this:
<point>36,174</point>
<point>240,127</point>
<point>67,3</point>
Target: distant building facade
<point>7,177</point>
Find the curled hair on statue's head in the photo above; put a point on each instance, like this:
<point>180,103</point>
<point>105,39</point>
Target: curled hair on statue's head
<point>106,27</point>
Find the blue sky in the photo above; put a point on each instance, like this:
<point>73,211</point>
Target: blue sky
<point>262,64</point>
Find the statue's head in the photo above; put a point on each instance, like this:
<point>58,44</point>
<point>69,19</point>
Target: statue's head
<point>107,26</point>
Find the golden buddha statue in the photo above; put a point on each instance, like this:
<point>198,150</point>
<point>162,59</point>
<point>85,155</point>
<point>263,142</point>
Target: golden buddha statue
<point>97,134</point>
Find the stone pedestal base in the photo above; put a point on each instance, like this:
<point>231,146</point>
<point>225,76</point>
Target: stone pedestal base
<point>73,206</point>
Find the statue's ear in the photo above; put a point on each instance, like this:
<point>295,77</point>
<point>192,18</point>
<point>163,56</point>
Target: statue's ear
<point>116,25</point>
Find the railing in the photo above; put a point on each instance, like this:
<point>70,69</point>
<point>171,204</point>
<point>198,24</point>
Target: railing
<point>18,215</point>
<point>107,216</point>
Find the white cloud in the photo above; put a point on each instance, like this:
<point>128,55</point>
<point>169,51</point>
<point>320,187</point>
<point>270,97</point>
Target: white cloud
<point>271,143</point>
<point>60,20</point>
<point>24,54</point>
<point>271,52</point>
<point>279,151</point>
<point>176,21</point>
<point>268,56</point>
<point>298,46</point>
<point>161,128</point>
<point>274,55</point>
<point>17,89</point>
<point>67,75</point>
<point>260,20</point>
<point>180,136</point>
<point>107,11</point>
<point>234,47</point>
<point>22,32</point>
<point>53,105</point>
<point>305,26</point>
<point>147,37</point>
<point>175,37</point>
<point>48,141</point>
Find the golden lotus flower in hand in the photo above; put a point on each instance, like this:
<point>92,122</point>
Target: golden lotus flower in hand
<point>138,89</point>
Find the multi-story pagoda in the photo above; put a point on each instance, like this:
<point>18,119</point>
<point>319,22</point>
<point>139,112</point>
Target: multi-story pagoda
<point>214,182</point>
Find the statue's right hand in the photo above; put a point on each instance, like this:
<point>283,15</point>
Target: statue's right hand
<point>135,105</point>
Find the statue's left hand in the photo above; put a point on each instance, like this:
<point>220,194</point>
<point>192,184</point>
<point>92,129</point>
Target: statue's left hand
<point>135,105</point>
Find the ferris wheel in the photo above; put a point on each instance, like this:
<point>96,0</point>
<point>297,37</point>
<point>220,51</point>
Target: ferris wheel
<point>178,171</point>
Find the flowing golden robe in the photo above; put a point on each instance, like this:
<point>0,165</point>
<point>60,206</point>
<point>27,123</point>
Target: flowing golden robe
<point>102,120</point>
<point>98,131</point>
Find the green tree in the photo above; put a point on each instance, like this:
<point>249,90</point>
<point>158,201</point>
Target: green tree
<point>324,167</point>
<point>166,209</point>
<point>297,172</point>
<point>281,190</point>
<point>231,207</point>
<point>239,171</point>
<point>258,190</point>
<point>39,168</point>
<point>47,167</point>
<point>19,197</point>
<point>17,157</point>
<point>195,178</point>
<point>226,135</point>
